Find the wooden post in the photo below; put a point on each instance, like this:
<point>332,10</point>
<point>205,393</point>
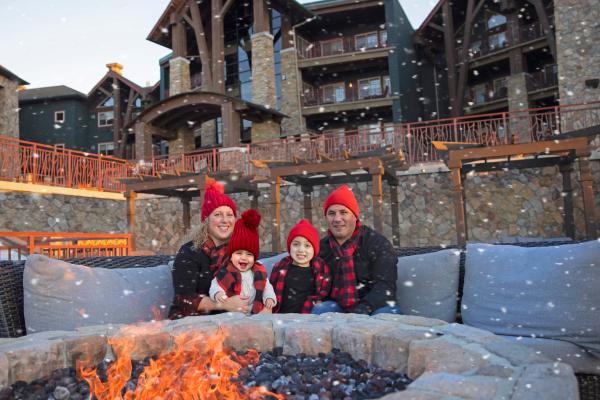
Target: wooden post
<point>459,208</point>
<point>218,46</point>
<point>130,196</point>
<point>307,192</point>
<point>377,201</point>
<point>201,186</point>
<point>187,217</point>
<point>231,125</point>
<point>261,16</point>
<point>276,215</point>
<point>450,50</point>
<point>567,188</point>
<point>117,120</point>
<point>178,39</point>
<point>395,214</point>
<point>254,199</point>
<point>585,179</point>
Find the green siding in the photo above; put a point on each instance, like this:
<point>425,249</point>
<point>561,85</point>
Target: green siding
<point>403,71</point>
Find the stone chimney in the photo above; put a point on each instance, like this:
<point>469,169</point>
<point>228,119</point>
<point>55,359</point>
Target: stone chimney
<point>115,67</point>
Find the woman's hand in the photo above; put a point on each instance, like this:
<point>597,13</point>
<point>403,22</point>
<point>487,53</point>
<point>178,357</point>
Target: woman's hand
<point>236,304</point>
<point>220,297</point>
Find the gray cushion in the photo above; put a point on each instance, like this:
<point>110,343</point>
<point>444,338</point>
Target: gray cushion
<point>63,296</point>
<point>270,262</point>
<point>428,284</point>
<point>550,292</point>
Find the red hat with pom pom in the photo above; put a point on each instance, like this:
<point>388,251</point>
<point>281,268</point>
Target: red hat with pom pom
<point>307,231</point>
<point>215,197</point>
<point>245,233</point>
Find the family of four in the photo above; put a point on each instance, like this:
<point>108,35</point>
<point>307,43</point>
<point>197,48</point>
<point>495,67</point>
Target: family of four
<point>352,269</point>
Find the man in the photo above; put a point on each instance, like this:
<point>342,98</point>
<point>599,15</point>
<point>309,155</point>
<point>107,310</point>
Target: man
<point>362,261</point>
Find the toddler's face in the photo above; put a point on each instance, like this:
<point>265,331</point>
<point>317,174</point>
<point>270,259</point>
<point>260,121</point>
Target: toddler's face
<point>301,251</point>
<point>242,260</point>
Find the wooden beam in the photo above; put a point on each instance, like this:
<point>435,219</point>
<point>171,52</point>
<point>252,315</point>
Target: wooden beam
<point>117,119</point>
<point>587,190</point>
<point>226,8</point>
<point>325,167</point>
<point>187,216</point>
<point>545,21</point>
<point>178,39</point>
<point>459,208</point>
<point>254,199</point>
<point>172,183</point>
<point>130,196</point>
<point>261,16</point>
<point>307,196</point>
<point>516,164</point>
<point>395,215</point>
<point>218,48</point>
<point>329,180</point>
<point>464,58</point>
<point>377,198</point>
<point>450,49</point>
<point>122,143</point>
<point>199,33</point>
<point>567,189</point>
<point>105,92</point>
<point>231,125</point>
<point>276,215</point>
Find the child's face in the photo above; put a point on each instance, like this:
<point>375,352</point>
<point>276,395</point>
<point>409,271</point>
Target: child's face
<point>242,260</point>
<point>301,251</point>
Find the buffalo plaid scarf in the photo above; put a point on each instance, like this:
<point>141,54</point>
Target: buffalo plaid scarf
<point>322,282</point>
<point>218,255</point>
<point>230,279</point>
<point>343,290</point>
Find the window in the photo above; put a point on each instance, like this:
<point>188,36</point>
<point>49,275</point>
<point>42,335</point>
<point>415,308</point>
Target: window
<point>334,93</point>
<point>387,87</point>
<point>497,41</point>
<point>334,46</point>
<point>475,48</point>
<point>106,148</point>
<point>59,117</point>
<point>500,88</point>
<point>309,93</point>
<point>383,38</point>
<point>495,21</point>
<point>366,41</point>
<point>109,102</point>
<point>105,118</point>
<point>369,87</point>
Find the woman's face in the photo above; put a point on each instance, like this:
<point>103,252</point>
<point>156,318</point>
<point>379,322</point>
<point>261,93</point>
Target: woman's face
<point>220,224</point>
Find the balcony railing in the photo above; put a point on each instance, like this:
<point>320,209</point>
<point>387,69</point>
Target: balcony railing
<point>487,96</point>
<point>541,80</point>
<point>317,97</point>
<point>341,45</point>
<point>19,245</point>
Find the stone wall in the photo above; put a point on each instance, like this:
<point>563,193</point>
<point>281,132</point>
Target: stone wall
<point>578,49</point>
<point>290,99</point>
<point>263,84</point>
<point>499,205</point>
<point>179,76</point>
<point>9,106</point>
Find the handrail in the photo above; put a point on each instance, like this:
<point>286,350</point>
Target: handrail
<point>64,244</point>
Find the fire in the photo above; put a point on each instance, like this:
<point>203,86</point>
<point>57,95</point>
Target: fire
<point>198,368</point>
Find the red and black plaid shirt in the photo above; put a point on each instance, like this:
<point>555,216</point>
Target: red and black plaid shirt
<point>230,279</point>
<point>218,255</point>
<point>322,282</point>
<point>344,290</point>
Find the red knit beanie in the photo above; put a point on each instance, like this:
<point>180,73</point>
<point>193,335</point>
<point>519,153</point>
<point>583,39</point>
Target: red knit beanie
<point>215,197</point>
<point>307,231</point>
<point>245,234</point>
<point>343,196</point>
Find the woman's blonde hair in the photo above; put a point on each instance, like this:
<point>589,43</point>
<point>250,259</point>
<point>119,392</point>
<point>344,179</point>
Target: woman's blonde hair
<point>198,235</point>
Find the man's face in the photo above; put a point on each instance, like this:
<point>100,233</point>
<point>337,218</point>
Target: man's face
<point>341,221</point>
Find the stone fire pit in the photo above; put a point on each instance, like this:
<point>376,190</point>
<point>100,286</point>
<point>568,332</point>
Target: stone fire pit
<point>445,360</point>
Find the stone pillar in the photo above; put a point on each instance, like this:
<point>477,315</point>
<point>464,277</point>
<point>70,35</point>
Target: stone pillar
<point>517,100</point>
<point>291,87</point>
<point>9,108</point>
<point>578,57</point>
<point>208,130</point>
<point>179,76</point>
<point>143,142</point>
<point>183,143</point>
<point>263,84</point>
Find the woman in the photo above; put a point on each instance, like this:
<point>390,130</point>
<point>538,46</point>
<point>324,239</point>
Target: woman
<point>198,260</point>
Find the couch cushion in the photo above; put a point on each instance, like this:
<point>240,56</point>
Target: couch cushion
<point>582,361</point>
<point>550,292</point>
<point>63,296</point>
<point>428,284</point>
<point>270,262</point>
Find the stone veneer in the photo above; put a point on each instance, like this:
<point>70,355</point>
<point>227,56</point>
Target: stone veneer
<point>525,204</point>
<point>578,49</point>
<point>518,101</point>
<point>442,359</point>
<point>179,76</point>
<point>183,143</point>
<point>290,90</point>
<point>263,84</point>
<point>9,108</point>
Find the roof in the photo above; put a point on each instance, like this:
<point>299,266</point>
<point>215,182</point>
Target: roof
<point>11,76</point>
<point>160,33</point>
<point>323,6</point>
<point>112,74</point>
<point>430,16</point>
<point>50,93</point>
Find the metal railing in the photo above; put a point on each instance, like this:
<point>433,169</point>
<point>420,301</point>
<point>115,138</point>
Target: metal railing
<point>340,45</point>
<point>29,162</point>
<point>19,245</point>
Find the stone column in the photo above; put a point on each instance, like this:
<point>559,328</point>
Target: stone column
<point>183,143</point>
<point>208,130</point>
<point>578,57</point>
<point>143,142</point>
<point>179,76</point>
<point>291,87</point>
<point>9,106</point>
<point>263,84</point>
<point>517,100</point>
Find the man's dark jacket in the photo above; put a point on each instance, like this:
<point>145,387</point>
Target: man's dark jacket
<point>375,269</point>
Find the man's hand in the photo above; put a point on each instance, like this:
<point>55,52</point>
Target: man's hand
<point>237,304</point>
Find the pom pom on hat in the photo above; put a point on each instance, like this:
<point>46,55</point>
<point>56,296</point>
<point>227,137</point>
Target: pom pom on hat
<point>245,234</point>
<point>215,197</point>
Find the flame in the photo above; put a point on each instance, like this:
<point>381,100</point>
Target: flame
<point>198,368</point>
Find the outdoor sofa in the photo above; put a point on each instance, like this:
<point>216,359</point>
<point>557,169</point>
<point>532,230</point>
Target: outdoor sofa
<point>541,294</point>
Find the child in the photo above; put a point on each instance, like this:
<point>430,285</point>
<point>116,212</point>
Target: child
<point>301,279</point>
<point>243,275</point>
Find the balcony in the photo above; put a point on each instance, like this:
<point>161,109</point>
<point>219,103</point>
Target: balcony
<point>485,94</point>
<point>547,78</point>
<point>342,49</point>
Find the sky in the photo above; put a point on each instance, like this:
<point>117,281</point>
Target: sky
<point>69,42</point>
